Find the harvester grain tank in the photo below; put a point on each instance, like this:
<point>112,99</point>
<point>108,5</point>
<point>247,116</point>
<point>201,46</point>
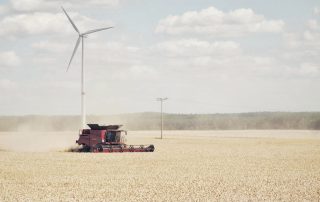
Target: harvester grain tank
<point>108,139</point>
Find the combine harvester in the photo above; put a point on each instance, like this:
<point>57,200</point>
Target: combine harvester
<point>108,139</point>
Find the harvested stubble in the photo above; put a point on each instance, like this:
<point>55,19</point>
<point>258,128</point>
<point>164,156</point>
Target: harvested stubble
<point>183,168</point>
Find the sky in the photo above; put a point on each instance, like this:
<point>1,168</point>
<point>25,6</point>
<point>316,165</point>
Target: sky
<point>205,56</point>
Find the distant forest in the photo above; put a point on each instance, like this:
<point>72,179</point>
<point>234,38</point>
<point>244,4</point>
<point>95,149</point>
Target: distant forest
<point>151,121</point>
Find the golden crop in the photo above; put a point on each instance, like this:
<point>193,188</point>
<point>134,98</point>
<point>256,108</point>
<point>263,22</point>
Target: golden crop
<point>186,166</point>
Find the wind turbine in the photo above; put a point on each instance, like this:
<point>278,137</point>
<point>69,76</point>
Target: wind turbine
<point>80,38</point>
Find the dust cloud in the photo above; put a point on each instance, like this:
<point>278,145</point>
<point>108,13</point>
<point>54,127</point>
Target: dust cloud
<point>37,141</point>
<point>46,133</point>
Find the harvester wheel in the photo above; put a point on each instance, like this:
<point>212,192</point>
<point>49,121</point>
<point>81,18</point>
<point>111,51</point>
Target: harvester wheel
<point>85,148</point>
<point>131,148</point>
<point>99,147</point>
<point>151,148</point>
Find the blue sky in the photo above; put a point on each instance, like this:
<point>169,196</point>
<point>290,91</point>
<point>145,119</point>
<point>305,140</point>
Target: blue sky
<point>206,56</point>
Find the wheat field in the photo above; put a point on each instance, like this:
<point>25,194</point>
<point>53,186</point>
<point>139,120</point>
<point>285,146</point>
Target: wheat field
<point>186,166</point>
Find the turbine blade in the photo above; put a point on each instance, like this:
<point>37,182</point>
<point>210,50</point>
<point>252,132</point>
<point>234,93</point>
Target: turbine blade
<point>74,26</point>
<point>74,52</point>
<point>95,30</point>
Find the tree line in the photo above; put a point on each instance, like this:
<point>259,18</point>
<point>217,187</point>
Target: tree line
<point>151,121</point>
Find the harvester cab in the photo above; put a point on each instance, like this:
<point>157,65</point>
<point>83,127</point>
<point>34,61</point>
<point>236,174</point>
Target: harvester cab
<point>115,136</point>
<point>108,139</point>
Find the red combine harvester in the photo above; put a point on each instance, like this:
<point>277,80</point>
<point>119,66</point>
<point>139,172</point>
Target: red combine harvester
<point>108,139</point>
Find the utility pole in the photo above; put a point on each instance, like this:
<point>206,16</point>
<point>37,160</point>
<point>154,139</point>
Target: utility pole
<point>161,101</point>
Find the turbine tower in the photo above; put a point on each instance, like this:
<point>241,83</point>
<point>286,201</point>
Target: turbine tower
<point>81,39</point>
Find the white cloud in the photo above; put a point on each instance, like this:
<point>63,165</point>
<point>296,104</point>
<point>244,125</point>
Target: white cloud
<point>316,11</point>
<point>53,5</point>
<point>196,47</point>
<point>142,70</point>
<point>119,57</point>
<point>50,46</point>
<point>136,72</point>
<point>292,40</point>
<point>6,84</point>
<point>116,55</point>
<point>307,40</point>
<point>311,37</point>
<point>301,54</point>
<point>303,70</point>
<point>4,9</point>
<point>214,60</point>
<point>309,69</point>
<point>45,23</point>
<point>313,24</point>
<point>9,59</point>
<point>212,21</point>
